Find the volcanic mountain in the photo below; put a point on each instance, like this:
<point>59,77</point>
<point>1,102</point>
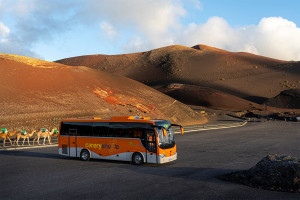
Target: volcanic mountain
<point>36,93</point>
<point>244,75</point>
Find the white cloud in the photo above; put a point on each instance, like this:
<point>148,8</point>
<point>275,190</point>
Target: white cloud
<point>34,21</point>
<point>4,30</point>
<point>197,4</point>
<point>108,30</point>
<point>273,37</point>
<point>277,37</point>
<point>215,32</point>
<point>150,19</point>
<point>157,23</point>
<point>141,25</point>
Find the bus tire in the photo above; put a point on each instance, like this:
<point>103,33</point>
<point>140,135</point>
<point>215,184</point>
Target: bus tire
<point>137,159</point>
<point>85,155</point>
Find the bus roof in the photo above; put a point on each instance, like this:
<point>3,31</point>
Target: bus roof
<point>117,119</point>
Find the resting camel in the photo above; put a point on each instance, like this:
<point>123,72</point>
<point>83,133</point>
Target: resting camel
<point>27,136</point>
<point>45,135</point>
<point>7,136</point>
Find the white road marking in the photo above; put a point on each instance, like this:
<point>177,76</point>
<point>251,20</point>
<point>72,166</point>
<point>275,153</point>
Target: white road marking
<point>212,127</point>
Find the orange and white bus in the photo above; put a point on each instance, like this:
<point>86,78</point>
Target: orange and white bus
<point>127,138</point>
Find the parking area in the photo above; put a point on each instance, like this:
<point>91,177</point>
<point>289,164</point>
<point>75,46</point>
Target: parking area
<point>202,156</point>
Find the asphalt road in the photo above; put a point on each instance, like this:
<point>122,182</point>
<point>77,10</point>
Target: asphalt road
<point>202,156</point>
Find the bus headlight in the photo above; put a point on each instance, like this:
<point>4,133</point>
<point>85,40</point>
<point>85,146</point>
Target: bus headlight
<point>162,155</point>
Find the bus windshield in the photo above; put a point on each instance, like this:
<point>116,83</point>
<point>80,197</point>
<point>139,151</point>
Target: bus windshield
<point>167,141</point>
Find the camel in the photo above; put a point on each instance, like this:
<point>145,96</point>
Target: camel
<point>45,135</point>
<point>7,136</point>
<point>54,132</point>
<point>27,136</point>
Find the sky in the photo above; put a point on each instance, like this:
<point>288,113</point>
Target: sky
<point>55,29</point>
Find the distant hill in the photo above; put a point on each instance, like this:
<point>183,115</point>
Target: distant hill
<point>207,97</point>
<point>245,75</point>
<point>36,93</point>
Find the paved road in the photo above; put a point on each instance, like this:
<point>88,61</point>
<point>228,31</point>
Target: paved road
<point>202,156</point>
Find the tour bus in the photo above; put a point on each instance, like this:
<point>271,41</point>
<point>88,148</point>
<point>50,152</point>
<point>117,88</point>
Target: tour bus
<point>127,138</point>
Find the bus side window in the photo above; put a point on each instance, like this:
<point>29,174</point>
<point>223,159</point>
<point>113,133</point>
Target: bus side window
<point>85,129</point>
<point>64,130</point>
<point>118,129</point>
<point>100,129</point>
<point>137,133</point>
<point>131,133</point>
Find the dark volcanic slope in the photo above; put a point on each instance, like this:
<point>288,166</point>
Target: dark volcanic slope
<point>286,99</point>
<point>242,74</point>
<point>211,98</point>
<point>38,93</point>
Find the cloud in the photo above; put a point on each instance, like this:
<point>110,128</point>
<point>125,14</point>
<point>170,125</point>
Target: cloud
<point>4,30</point>
<point>14,47</point>
<point>215,32</point>
<point>154,24</point>
<point>140,25</point>
<point>32,22</point>
<point>108,29</point>
<point>273,37</point>
<point>11,45</point>
<point>197,4</point>
<point>149,19</point>
<point>277,37</point>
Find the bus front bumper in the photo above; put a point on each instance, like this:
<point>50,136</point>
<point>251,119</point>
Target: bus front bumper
<point>163,159</point>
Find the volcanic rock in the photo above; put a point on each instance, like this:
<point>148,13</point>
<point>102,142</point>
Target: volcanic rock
<point>274,172</point>
<point>286,99</point>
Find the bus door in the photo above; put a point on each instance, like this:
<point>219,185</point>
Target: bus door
<point>151,146</point>
<point>72,142</point>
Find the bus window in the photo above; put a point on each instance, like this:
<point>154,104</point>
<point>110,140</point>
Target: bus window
<point>165,142</point>
<point>66,126</point>
<point>118,129</point>
<point>137,133</point>
<point>85,129</point>
<point>64,129</point>
<point>100,129</point>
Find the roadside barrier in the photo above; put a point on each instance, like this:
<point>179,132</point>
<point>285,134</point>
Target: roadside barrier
<point>204,127</point>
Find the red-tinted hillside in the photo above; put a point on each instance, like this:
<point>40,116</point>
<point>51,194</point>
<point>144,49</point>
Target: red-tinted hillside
<point>36,93</point>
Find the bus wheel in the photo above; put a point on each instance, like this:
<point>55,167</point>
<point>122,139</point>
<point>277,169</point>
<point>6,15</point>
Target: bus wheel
<point>137,159</point>
<point>85,155</point>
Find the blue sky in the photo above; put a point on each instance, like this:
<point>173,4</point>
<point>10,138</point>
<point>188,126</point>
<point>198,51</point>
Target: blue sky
<point>55,29</point>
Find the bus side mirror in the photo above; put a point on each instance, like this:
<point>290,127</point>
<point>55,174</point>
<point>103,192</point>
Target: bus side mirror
<point>165,132</point>
<point>182,131</point>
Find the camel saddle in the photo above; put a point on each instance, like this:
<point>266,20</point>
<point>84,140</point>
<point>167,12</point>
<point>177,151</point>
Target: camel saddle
<point>4,130</point>
<point>44,130</point>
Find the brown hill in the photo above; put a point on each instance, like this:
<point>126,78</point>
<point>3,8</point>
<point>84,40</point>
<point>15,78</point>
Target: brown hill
<point>245,75</point>
<point>207,97</point>
<point>35,93</point>
<point>215,99</point>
